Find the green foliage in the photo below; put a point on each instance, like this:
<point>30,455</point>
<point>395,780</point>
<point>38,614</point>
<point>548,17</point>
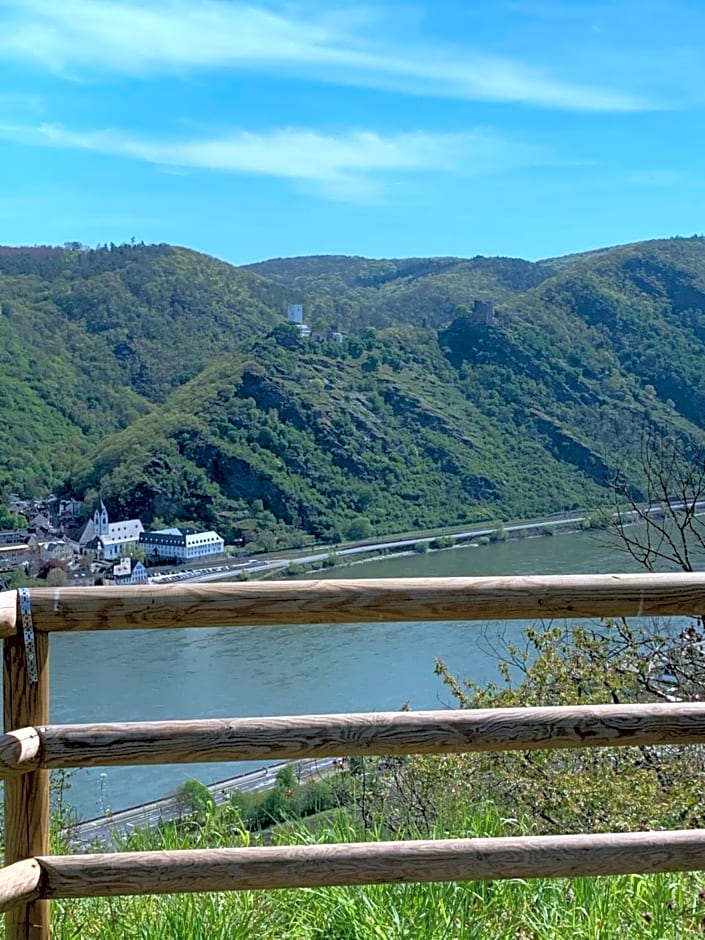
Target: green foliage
<point>17,579</point>
<point>56,578</point>
<point>421,548</point>
<point>591,789</point>
<point>598,519</point>
<point>90,339</point>
<point>359,528</point>
<point>9,520</point>
<point>655,907</point>
<point>417,798</point>
<point>443,541</point>
<point>195,798</point>
<point>287,800</point>
<point>170,383</point>
<point>287,336</point>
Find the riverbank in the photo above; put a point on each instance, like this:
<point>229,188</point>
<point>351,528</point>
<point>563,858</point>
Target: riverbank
<point>113,827</point>
<point>296,564</point>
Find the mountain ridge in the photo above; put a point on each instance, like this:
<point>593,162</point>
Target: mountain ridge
<point>170,382</point>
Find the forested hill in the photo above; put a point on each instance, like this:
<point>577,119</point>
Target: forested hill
<point>90,340</point>
<point>361,292</point>
<point>169,382</point>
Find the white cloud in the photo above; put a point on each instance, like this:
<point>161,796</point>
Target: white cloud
<point>174,36</point>
<point>352,166</point>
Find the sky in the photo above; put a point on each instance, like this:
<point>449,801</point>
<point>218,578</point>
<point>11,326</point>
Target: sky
<point>526,128</point>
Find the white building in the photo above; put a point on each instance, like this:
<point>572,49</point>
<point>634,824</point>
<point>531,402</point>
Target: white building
<point>295,313</point>
<point>107,539</point>
<point>178,545</point>
<point>127,571</point>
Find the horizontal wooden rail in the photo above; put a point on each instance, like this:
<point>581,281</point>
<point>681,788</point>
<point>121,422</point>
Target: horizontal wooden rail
<point>20,751</point>
<point>309,866</point>
<point>383,733</point>
<point>355,601</point>
<point>20,883</point>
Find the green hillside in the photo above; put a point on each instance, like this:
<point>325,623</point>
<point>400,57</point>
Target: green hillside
<point>359,292</point>
<point>89,340</point>
<point>379,429</point>
<point>169,382</point>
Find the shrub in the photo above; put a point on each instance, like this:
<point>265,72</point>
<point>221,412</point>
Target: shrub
<point>443,541</point>
<point>195,798</point>
<point>359,528</point>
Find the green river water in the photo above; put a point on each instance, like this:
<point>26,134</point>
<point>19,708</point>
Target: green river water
<point>160,675</point>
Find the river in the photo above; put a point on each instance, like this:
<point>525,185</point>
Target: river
<point>160,675</point>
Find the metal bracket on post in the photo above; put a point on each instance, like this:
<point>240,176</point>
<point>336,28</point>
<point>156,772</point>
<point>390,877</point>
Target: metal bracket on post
<point>28,634</point>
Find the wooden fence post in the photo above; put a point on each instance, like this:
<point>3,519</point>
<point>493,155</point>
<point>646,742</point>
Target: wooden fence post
<point>26,704</point>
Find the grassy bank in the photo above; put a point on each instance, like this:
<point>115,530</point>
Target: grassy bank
<point>658,906</point>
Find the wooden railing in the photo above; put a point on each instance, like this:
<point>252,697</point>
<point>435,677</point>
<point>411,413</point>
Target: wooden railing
<point>31,746</point>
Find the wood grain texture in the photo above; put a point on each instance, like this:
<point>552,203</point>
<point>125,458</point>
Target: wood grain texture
<point>20,751</point>
<point>382,733</point>
<point>304,602</point>
<point>26,796</point>
<point>308,866</point>
<point>19,884</point>
<point>8,613</point>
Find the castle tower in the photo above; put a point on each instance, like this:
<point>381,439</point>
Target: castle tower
<point>483,312</point>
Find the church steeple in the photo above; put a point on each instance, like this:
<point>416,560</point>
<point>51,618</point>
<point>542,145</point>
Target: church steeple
<point>100,520</point>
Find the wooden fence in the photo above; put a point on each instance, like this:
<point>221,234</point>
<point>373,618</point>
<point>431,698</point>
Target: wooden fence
<point>31,746</point>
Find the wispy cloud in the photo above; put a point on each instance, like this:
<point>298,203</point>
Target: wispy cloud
<point>352,166</point>
<point>79,37</point>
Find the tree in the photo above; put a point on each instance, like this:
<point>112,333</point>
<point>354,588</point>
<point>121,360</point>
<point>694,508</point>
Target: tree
<point>615,662</point>
<point>56,578</point>
<point>135,551</point>
<point>666,530</point>
<point>623,788</point>
<point>666,527</point>
<point>53,564</point>
<point>9,520</point>
<point>359,528</point>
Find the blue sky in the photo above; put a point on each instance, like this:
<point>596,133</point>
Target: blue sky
<point>529,128</point>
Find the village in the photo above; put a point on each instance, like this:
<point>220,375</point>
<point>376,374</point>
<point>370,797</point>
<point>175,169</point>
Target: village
<point>56,546</point>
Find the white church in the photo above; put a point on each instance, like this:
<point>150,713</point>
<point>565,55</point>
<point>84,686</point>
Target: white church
<point>109,540</point>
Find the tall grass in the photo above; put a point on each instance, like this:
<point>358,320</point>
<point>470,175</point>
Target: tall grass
<point>656,906</point>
